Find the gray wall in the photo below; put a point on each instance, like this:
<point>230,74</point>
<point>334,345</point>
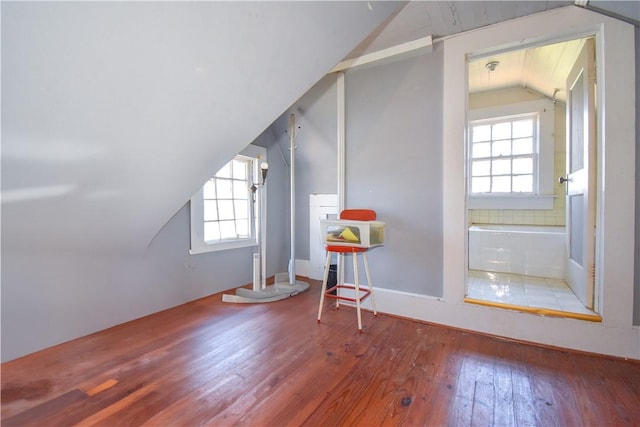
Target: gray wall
<point>393,162</point>
<point>49,297</point>
<point>394,166</point>
<point>315,154</point>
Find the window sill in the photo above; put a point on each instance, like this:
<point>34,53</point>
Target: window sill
<point>511,202</point>
<point>214,247</point>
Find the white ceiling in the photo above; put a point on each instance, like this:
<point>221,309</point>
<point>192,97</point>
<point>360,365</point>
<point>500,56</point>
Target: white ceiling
<point>418,19</point>
<point>113,113</point>
<point>542,69</point>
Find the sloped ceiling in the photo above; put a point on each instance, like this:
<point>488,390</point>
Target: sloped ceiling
<point>544,69</point>
<point>114,113</point>
<point>444,18</point>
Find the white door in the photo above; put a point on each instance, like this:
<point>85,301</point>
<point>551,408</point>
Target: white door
<point>580,181</point>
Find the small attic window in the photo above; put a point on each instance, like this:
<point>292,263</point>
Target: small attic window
<point>223,214</point>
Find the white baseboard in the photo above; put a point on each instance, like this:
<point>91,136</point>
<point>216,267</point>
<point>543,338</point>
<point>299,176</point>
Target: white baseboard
<point>553,331</point>
<point>303,267</point>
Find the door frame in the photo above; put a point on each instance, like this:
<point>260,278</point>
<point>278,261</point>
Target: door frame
<point>616,151</point>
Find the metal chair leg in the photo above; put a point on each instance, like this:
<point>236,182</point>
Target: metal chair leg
<point>324,284</point>
<point>366,269</point>
<point>357,297</point>
<point>340,276</point>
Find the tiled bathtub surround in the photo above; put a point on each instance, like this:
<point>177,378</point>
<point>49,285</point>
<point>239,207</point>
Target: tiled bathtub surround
<point>521,249</point>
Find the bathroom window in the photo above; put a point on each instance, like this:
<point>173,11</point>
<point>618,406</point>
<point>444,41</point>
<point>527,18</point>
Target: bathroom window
<point>222,212</point>
<point>511,155</point>
<point>503,155</point>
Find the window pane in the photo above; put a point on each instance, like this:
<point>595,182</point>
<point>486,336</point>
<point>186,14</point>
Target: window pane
<point>228,203</point>
<point>481,133</point>
<point>481,150</point>
<point>225,172</point>
<point>523,128</point>
<point>210,210</point>
<point>242,209</point>
<point>523,184</point>
<point>242,228</point>
<point>501,167</point>
<point>501,131</point>
<point>481,185</point>
<point>223,186</point>
<point>501,148</point>
<point>240,190</point>
<point>503,161</point>
<point>209,189</point>
<point>501,184</point>
<point>481,168</point>
<point>228,229</point>
<point>239,169</point>
<point>211,231</point>
<point>523,165</point>
<point>225,209</point>
<point>523,146</point>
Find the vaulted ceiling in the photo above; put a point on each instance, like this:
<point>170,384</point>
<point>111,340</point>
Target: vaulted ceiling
<point>114,113</point>
<point>542,69</point>
<point>444,18</point>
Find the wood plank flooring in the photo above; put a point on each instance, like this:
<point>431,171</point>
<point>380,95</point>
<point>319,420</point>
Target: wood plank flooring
<point>216,364</point>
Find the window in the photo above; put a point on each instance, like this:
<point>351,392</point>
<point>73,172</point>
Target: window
<point>227,202</point>
<point>503,155</point>
<point>223,215</point>
<point>511,156</point>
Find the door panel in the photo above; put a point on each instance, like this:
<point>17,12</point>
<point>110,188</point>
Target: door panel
<point>581,143</point>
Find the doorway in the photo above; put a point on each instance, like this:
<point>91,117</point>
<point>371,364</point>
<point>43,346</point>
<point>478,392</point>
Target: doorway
<point>521,113</point>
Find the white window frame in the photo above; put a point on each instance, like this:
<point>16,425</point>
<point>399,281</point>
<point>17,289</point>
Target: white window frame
<point>198,244</point>
<point>543,195</point>
<point>533,155</point>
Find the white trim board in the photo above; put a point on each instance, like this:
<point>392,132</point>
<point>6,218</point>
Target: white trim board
<point>424,42</point>
<point>554,331</point>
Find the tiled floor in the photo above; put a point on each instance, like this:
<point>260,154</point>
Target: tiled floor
<point>527,291</point>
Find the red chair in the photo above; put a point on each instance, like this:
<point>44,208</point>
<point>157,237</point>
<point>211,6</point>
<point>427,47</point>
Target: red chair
<point>360,293</point>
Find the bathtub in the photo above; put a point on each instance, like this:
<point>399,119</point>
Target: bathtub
<point>521,249</point>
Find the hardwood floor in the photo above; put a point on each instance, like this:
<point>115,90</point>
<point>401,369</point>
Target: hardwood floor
<point>211,363</point>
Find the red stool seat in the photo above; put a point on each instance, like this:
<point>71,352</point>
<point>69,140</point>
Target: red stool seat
<point>345,249</point>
